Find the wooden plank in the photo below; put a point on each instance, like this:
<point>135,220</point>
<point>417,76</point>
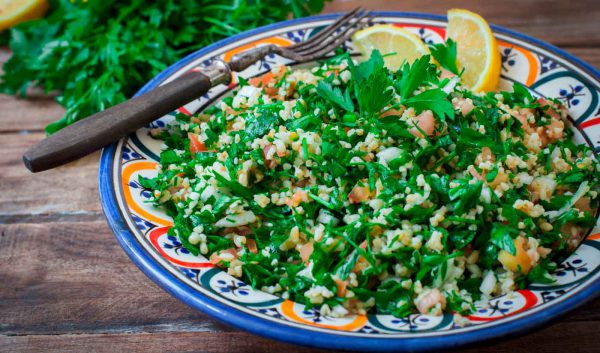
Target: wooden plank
<point>17,114</point>
<point>563,23</point>
<point>73,277</point>
<point>171,342</point>
<point>571,337</point>
<point>70,189</point>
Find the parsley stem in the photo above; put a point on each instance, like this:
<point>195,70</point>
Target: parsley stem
<point>327,204</point>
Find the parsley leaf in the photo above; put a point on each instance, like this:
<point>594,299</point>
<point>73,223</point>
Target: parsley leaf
<point>414,76</point>
<point>472,138</point>
<point>365,69</point>
<point>335,95</point>
<point>519,96</point>
<point>445,55</point>
<point>371,84</point>
<point>258,126</point>
<point>169,157</point>
<point>460,239</point>
<point>501,236</point>
<point>235,187</point>
<point>395,127</point>
<point>465,195</point>
<point>541,273</point>
<point>435,100</point>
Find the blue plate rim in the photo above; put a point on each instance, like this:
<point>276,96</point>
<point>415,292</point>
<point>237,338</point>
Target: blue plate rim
<point>289,334</point>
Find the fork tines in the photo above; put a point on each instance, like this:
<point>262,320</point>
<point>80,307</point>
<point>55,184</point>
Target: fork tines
<point>316,47</point>
<point>333,35</point>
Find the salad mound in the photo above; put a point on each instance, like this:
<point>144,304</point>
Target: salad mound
<point>357,189</point>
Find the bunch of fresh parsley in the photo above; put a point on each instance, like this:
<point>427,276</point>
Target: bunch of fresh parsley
<point>99,53</point>
<point>373,86</point>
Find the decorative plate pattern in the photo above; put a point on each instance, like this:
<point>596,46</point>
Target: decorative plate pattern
<point>142,229</point>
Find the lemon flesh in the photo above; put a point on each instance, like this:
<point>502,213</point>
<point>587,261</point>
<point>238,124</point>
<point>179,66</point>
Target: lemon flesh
<point>401,44</point>
<point>477,49</point>
<point>13,12</point>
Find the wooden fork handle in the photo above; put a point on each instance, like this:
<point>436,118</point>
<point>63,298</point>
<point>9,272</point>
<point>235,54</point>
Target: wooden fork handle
<point>108,126</point>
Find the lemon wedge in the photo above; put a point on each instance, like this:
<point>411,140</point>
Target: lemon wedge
<point>405,45</point>
<point>476,49</point>
<point>13,12</point>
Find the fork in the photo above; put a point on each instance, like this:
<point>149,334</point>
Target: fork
<point>108,126</point>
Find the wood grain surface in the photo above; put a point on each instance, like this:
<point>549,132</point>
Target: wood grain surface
<point>66,285</point>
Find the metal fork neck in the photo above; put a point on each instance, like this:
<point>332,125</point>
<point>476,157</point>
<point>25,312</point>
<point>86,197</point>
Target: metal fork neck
<point>218,72</point>
<point>242,61</point>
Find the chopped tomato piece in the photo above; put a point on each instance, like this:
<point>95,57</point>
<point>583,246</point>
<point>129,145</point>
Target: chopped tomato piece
<point>465,105</point>
<point>520,262</point>
<point>363,245</point>
<point>297,198</point>
<point>231,111</point>
<point>446,74</point>
<point>394,112</point>
<point>361,263</point>
<point>550,110</point>
<point>475,174</point>
<point>335,72</point>
<point>251,244</point>
<point>306,250</point>
<point>426,122</point>
<point>216,258</point>
<point>262,81</point>
<point>359,194</point>
<point>342,287</point>
<point>266,82</point>
<point>195,144</point>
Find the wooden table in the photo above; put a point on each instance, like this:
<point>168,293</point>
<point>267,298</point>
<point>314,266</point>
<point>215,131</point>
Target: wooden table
<point>66,285</point>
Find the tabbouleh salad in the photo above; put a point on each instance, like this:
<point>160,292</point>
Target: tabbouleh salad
<point>356,189</point>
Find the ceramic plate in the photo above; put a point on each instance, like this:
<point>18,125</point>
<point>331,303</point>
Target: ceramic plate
<point>142,229</point>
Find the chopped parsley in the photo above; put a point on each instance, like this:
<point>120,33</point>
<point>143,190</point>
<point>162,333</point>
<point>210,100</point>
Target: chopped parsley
<point>357,189</point>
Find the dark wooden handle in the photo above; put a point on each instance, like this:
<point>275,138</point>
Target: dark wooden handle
<point>106,127</point>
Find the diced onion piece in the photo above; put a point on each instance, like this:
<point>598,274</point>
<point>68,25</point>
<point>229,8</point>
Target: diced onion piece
<point>583,189</point>
<point>326,217</point>
<point>389,154</point>
<point>236,220</point>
